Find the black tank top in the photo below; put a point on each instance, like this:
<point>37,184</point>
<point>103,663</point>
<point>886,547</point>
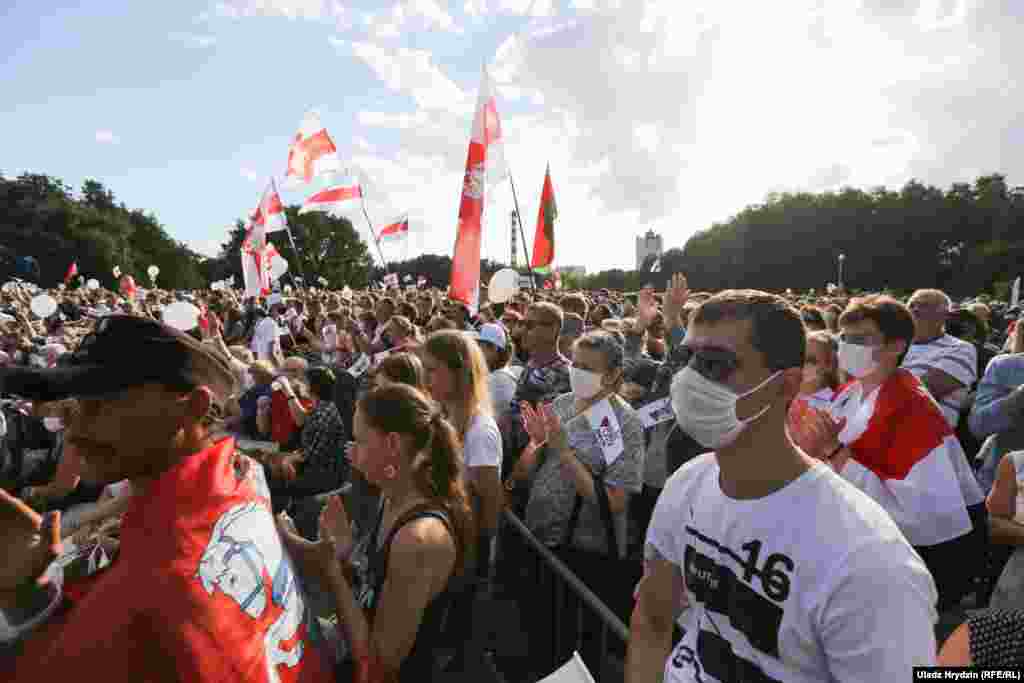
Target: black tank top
<point>420,665</point>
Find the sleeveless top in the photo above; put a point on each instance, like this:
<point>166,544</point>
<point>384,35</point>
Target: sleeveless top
<point>370,564</point>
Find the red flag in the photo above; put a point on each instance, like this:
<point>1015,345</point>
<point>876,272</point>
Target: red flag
<point>228,605</point>
<point>337,198</point>
<point>544,237</point>
<point>312,152</point>
<point>484,142</point>
<point>72,272</point>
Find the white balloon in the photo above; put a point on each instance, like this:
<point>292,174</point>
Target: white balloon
<point>44,305</point>
<point>181,315</point>
<point>93,284</point>
<point>504,285</point>
<point>153,271</point>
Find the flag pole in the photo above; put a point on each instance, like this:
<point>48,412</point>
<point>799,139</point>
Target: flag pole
<point>519,219</point>
<point>376,240</point>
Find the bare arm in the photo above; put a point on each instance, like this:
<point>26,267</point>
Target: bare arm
<point>660,590</point>
<point>420,562</point>
<point>487,484</point>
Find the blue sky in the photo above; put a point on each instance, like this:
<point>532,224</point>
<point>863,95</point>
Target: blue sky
<point>651,113</point>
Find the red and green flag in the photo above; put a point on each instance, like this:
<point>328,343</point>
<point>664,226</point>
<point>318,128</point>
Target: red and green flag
<point>544,238</point>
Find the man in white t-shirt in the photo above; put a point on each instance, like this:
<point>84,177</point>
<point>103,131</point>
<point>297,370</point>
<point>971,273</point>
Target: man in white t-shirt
<point>776,568</point>
<point>947,366</point>
<point>267,335</point>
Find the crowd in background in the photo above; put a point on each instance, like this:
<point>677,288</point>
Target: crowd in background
<point>392,428</point>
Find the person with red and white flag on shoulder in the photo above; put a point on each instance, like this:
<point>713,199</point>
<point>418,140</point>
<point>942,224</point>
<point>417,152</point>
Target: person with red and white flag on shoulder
<point>886,435</point>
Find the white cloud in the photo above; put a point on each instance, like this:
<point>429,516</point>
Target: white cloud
<point>107,137</point>
<point>411,72</point>
<point>433,14</point>
<point>475,8</point>
<point>664,115</point>
<point>208,247</point>
<point>292,9</point>
<point>196,40</point>
<point>534,8</point>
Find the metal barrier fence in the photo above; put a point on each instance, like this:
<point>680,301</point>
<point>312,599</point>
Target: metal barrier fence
<point>554,578</point>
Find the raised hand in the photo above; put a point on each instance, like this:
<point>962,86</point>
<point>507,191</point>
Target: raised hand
<point>30,544</point>
<point>533,423</point>
<point>646,309</point>
<point>335,524</point>
<point>557,437</point>
<point>676,296</point>
<point>820,434</point>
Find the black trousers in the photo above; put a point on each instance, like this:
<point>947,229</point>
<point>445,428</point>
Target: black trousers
<point>955,564</point>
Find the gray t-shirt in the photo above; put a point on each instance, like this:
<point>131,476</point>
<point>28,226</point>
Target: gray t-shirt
<point>553,492</point>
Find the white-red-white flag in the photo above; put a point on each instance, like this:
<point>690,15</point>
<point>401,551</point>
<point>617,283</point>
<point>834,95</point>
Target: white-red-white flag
<point>396,230</point>
<point>312,152</point>
<point>484,164</point>
<point>254,276</point>
<point>268,216</point>
<point>335,199</point>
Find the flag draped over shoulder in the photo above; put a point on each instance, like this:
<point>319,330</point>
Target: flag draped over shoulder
<point>544,237</point>
<point>484,164</point>
<point>904,455</point>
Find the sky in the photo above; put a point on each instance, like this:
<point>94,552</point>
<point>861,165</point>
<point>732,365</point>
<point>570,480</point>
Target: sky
<point>653,114</point>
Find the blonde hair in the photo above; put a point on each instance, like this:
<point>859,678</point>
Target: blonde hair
<point>463,357</point>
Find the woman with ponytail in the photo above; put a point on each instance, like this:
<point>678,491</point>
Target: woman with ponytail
<point>456,373</point>
<point>391,591</point>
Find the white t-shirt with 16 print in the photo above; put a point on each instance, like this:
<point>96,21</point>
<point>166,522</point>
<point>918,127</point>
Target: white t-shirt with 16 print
<point>811,583</point>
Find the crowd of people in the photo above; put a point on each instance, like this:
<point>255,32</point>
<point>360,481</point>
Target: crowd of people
<point>310,486</point>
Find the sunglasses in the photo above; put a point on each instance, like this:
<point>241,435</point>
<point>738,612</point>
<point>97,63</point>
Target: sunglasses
<point>716,365</point>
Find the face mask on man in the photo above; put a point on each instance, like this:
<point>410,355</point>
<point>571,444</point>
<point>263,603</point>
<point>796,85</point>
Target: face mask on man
<point>53,424</point>
<point>706,410</point>
<point>857,360</point>
<point>584,383</point>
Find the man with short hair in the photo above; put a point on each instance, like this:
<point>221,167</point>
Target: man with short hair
<point>947,366</point>
<point>202,589</point>
<point>779,569</point>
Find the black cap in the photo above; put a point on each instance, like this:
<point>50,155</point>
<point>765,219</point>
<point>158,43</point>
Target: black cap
<point>125,351</point>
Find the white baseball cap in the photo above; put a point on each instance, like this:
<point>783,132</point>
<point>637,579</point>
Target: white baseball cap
<point>493,334</point>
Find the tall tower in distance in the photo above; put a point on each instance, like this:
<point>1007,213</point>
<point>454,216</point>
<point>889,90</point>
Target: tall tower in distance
<point>514,261</point>
<point>646,246</point>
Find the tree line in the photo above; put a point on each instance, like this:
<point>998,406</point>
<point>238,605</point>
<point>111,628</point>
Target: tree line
<point>966,240</point>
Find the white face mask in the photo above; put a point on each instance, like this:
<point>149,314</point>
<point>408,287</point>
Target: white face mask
<point>706,410</point>
<point>857,360</point>
<point>53,424</point>
<point>584,384</point>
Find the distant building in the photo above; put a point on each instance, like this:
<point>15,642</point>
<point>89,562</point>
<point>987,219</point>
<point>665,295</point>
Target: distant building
<point>647,246</point>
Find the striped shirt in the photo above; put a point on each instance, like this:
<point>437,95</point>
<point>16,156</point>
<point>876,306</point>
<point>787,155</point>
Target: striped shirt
<point>956,358</point>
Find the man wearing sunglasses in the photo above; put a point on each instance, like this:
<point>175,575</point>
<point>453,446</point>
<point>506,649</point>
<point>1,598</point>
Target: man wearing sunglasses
<point>779,569</point>
<point>202,589</point>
